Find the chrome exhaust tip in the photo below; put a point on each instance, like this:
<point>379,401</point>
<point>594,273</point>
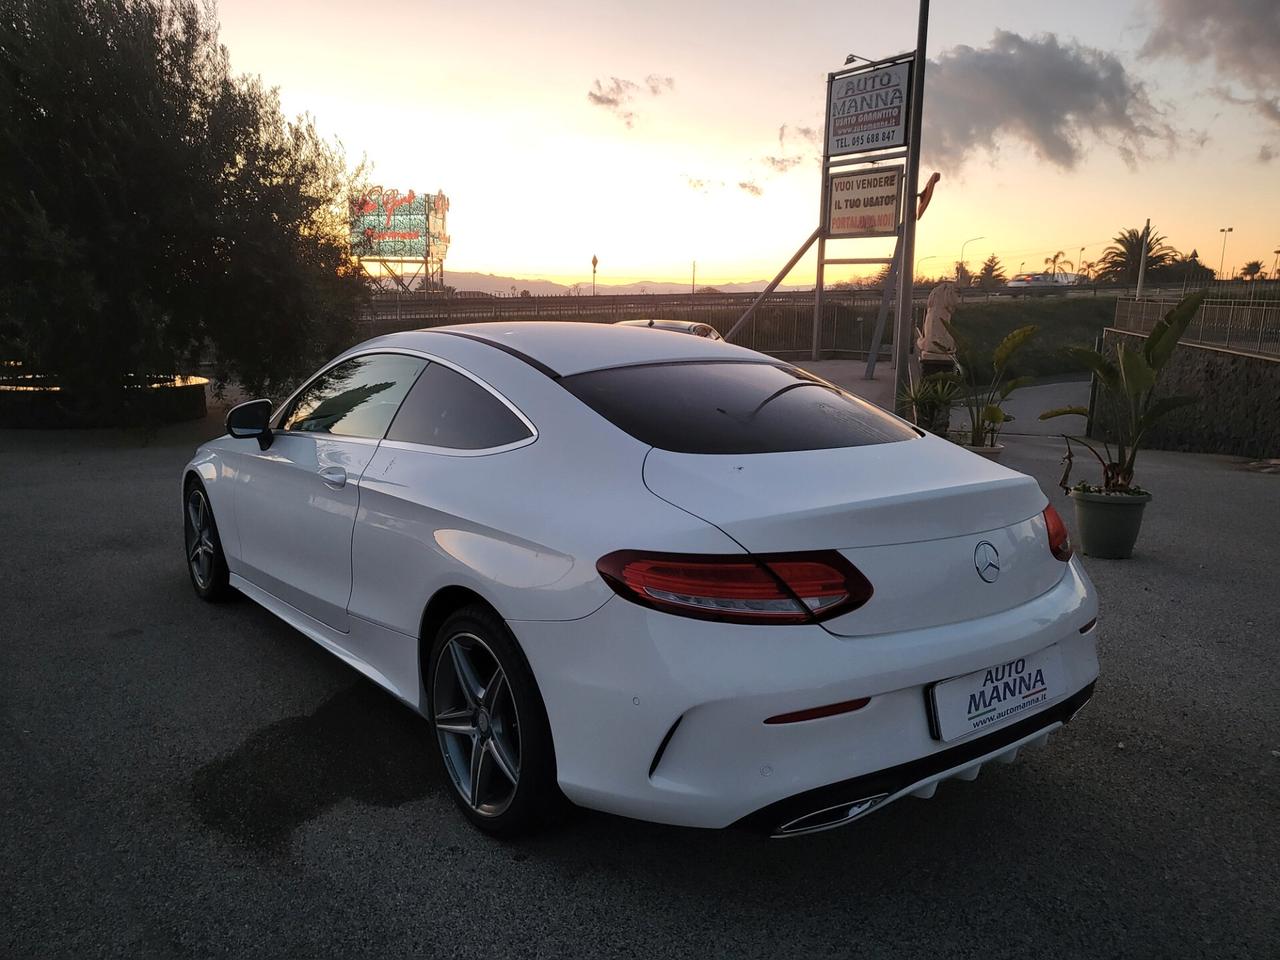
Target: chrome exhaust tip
<point>829,817</point>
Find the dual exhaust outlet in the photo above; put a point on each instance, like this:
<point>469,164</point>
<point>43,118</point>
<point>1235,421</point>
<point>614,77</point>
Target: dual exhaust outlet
<point>829,817</point>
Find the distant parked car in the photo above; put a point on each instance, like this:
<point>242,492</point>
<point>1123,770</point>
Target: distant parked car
<point>1041,284</point>
<point>676,326</point>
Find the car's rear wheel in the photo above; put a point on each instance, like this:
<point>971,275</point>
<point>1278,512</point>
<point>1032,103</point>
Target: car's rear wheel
<point>206,562</point>
<point>491,726</point>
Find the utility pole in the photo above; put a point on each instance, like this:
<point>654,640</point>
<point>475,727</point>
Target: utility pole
<point>906,280</point>
<point>1223,257</point>
<point>693,281</point>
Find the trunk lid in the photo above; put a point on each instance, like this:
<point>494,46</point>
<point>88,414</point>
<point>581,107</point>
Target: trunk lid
<point>910,515</point>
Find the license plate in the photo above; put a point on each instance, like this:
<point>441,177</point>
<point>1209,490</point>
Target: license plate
<point>990,698</point>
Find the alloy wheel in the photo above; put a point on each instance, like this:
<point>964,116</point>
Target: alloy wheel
<point>477,724</point>
<point>200,549</point>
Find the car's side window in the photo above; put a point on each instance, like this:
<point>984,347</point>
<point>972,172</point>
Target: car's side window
<point>447,409</point>
<point>355,398</point>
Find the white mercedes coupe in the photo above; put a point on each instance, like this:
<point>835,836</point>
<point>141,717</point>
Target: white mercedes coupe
<point>654,574</point>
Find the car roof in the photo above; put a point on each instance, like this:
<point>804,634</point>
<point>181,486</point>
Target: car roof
<point>563,348</point>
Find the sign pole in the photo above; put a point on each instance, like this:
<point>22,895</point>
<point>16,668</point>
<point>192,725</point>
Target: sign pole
<point>906,261</point>
<point>773,284</point>
<point>823,227</point>
<point>877,337</point>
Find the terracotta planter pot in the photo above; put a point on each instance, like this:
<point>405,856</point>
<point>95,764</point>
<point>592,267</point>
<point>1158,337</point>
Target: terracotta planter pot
<point>1108,522</point>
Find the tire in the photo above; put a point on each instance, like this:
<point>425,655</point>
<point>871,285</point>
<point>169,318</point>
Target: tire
<point>491,727</point>
<point>206,563</point>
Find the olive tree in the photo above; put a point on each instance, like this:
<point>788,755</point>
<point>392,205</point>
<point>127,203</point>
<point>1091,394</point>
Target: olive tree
<point>155,207</point>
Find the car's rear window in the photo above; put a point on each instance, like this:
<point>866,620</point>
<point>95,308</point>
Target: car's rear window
<point>719,407</point>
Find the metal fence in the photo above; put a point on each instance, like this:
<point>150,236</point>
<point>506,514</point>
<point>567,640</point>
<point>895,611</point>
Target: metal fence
<point>782,325</point>
<point>1251,325</point>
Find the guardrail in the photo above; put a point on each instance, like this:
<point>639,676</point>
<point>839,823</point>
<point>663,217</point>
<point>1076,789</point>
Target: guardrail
<point>1251,325</point>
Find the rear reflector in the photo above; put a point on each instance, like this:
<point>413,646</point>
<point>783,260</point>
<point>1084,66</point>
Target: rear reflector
<point>1059,539</point>
<point>813,713</point>
<point>776,588</point>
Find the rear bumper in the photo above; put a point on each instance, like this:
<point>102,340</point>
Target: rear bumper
<point>662,718</point>
<point>850,799</point>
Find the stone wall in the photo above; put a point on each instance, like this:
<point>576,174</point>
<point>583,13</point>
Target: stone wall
<point>1239,407</point>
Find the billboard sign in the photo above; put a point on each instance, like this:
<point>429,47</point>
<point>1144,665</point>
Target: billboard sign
<point>388,224</point>
<point>868,110</point>
<point>865,203</point>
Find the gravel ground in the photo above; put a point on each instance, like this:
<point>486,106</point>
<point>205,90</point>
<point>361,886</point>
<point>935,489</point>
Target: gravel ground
<point>184,780</point>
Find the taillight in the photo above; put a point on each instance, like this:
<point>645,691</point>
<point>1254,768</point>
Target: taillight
<point>774,588</point>
<point>1059,538</point>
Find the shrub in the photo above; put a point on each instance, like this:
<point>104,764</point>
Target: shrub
<point>155,206</point>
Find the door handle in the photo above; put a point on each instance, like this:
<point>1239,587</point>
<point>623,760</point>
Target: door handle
<point>334,477</point>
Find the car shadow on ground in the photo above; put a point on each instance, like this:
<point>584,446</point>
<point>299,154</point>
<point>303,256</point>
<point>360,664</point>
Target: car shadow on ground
<point>360,744</point>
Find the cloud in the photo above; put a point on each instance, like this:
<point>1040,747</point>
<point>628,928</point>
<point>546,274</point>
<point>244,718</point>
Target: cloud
<point>784,161</point>
<point>1264,108</point>
<point>618,94</point>
<point>808,134</point>
<point>659,85</point>
<point>614,98</point>
<point>783,164</point>
<point>703,184</point>
<point>1240,37</point>
<point>1266,153</point>
<point>1053,96</point>
<point>751,187</point>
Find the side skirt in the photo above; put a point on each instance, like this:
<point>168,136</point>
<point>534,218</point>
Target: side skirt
<point>338,643</point>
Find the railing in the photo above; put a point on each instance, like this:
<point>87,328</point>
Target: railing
<point>782,325</point>
<point>1252,325</point>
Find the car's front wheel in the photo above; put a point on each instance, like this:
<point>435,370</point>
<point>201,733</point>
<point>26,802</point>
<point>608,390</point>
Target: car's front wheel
<point>491,726</point>
<point>205,561</point>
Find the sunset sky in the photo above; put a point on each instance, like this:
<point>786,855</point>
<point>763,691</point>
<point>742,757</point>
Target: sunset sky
<point>655,134</point>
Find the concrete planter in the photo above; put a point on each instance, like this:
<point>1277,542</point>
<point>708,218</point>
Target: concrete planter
<point>1109,522</point>
<point>991,453</point>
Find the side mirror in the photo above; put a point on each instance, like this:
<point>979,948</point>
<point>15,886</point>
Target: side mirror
<point>251,420</point>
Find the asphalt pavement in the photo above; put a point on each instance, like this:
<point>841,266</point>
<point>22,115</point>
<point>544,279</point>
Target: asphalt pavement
<point>186,780</point>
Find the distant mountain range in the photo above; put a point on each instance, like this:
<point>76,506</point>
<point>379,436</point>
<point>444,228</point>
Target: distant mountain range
<point>489,283</point>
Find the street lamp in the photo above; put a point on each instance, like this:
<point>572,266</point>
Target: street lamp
<point>922,260</point>
<point>1080,260</point>
<point>1021,265</point>
<point>594,262</point>
<point>1275,264</point>
<point>962,246</point>
<point>1223,258</point>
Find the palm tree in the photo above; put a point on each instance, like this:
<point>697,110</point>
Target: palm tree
<point>1057,260</point>
<point>1119,262</point>
<point>1251,270</point>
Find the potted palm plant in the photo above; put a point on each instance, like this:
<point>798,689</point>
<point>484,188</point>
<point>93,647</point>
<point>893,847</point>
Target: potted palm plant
<point>982,377</point>
<point>1109,516</point>
<point>930,400</point>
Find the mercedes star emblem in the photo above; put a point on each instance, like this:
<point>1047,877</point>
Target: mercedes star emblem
<point>986,559</point>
